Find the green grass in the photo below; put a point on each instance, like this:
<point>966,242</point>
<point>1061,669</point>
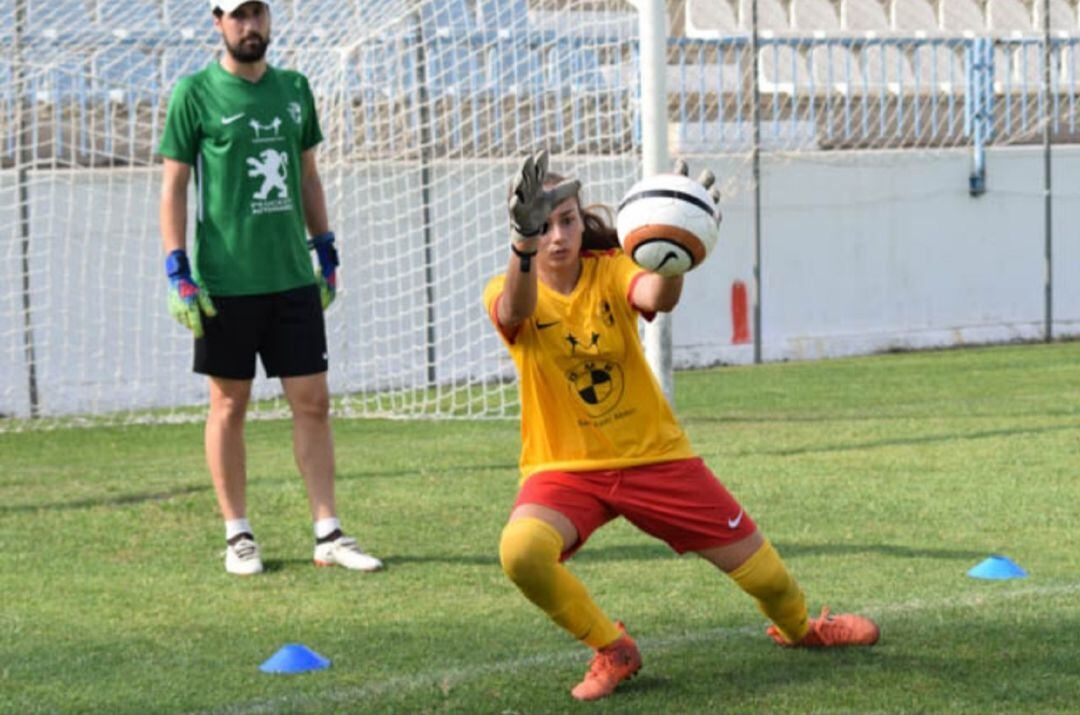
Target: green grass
<point>881,480</point>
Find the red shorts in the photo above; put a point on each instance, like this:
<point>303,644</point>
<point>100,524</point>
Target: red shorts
<point>681,503</point>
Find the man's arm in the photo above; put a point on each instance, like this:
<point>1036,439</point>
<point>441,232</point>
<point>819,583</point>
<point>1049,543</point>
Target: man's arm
<point>312,195</point>
<point>173,211</point>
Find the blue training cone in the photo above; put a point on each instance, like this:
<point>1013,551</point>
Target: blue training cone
<point>997,568</point>
<point>294,658</point>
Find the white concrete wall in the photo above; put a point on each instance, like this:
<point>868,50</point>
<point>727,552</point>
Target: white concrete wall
<point>876,251</point>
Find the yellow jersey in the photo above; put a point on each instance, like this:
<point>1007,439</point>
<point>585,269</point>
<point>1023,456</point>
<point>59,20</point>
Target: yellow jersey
<point>588,398</point>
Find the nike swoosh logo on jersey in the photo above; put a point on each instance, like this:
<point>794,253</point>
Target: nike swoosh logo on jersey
<point>541,326</point>
<point>734,523</point>
<point>233,118</point>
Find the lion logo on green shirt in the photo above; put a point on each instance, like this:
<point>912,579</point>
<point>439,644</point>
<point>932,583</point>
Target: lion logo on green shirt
<point>273,169</point>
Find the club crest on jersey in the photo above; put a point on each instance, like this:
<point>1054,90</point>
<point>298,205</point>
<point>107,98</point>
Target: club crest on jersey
<point>266,132</point>
<point>598,384</point>
<point>294,112</point>
<point>273,168</point>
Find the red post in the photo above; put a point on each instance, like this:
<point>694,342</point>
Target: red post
<point>740,314</point>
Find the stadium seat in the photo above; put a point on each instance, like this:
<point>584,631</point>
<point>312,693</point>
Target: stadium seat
<point>703,69</point>
<point>1062,16</point>
<point>885,68</point>
<point>515,67</point>
<point>938,67</point>
<point>710,19</point>
<point>913,16</point>
<point>191,20</point>
<point>1018,68</point>
<point>771,16</point>
<point>505,16</point>
<point>1008,16</point>
<point>814,15</point>
<point>52,19</point>
<point>130,18</point>
<point>961,16</point>
<point>177,62</point>
<point>862,15</point>
<point>7,20</point>
<point>448,17</point>
<point>55,75</point>
<point>833,68</point>
<point>783,70</point>
<point>312,20</point>
<point>324,68</point>
<point>611,25</point>
<point>125,73</point>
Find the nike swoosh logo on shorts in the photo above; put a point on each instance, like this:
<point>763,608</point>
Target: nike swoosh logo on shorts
<point>233,118</point>
<point>541,326</point>
<point>734,523</point>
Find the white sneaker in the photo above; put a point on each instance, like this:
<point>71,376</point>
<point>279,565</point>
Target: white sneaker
<point>242,558</point>
<point>343,551</point>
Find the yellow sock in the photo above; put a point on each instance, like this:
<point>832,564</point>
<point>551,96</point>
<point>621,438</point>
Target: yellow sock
<point>779,597</point>
<point>529,552</point>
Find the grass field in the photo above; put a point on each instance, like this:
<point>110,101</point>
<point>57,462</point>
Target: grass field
<point>881,480</point>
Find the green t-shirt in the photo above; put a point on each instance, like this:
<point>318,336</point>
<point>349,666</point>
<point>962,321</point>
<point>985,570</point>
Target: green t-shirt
<point>245,140</point>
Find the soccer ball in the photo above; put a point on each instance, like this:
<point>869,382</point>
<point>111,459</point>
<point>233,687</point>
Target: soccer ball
<point>668,224</point>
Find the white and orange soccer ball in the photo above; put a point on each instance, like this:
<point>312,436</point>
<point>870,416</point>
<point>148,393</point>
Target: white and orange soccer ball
<point>668,223</point>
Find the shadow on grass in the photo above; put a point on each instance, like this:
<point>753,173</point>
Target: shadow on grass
<point>904,552</point>
<point>108,501</point>
<point>162,495</point>
<point>904,441</point>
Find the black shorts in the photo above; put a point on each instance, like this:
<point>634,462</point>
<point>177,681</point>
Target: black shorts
<point>286,330</point>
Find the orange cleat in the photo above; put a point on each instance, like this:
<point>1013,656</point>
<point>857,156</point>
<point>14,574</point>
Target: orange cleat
<point>828,631</point>
<point>610,666</point>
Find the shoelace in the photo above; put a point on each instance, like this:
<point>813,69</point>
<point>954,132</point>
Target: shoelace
<point>348,543</point>
<point>603,662</point>
<point>245,549</point>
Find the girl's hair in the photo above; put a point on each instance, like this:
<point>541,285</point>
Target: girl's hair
<point>599,235</point>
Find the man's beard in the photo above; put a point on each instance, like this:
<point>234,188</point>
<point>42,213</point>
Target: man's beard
<point>250,49</point>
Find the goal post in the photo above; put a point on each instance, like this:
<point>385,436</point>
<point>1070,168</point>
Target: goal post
<point>652,21</point>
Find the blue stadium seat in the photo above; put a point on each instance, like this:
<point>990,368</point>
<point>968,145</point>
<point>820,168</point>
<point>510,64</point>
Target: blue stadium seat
<point>317,18</point>
<point>448,17</point>
<point>7,20</point>
<point>52,19</point>
<point>57,77</point>
<point>190,18</point>
<point>516,66</point>
<point>575,66</point>
<point>177,62</point>
<point>125,73</point>
<point>7,105</point>
<point>506,16</point>
<point>131,17</point>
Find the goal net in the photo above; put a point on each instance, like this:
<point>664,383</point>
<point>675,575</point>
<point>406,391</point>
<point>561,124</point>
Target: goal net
<point>426,107</point>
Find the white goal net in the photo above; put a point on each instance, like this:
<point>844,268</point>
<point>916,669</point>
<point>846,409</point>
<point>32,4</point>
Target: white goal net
<point>427,108</point>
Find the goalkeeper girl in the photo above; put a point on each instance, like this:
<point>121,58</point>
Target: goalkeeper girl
<point>600,441</point>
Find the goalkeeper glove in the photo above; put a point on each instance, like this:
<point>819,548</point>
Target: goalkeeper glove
<point>186,302</point>
<point>530,203</point>
<point>707,179</point>
<point>328,263</point>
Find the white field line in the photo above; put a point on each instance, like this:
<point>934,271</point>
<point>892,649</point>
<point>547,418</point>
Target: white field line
<point>447,678</point>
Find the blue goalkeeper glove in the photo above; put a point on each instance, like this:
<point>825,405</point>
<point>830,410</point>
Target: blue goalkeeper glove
<point>186,302</point>
<point>328,263</point>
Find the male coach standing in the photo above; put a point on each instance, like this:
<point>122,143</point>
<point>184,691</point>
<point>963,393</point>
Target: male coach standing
<point>249,132</point>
